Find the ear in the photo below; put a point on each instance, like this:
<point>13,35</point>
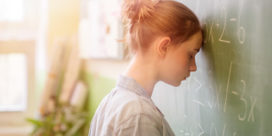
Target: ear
<point>163,46</point>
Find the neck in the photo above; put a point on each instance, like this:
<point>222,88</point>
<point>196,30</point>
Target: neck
<point>144,72</point>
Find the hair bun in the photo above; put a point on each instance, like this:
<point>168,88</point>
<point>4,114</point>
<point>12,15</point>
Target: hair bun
<point>136,10</point>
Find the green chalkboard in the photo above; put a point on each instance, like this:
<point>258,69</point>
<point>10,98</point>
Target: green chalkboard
<point>231,92</point>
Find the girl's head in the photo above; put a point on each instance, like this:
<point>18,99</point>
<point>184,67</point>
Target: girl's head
<point>166,29</point>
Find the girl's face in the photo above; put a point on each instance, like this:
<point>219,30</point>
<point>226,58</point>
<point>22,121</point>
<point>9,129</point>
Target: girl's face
<point>179,61</point>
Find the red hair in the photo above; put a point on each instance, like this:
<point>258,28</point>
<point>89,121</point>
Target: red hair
<point>146,19</point>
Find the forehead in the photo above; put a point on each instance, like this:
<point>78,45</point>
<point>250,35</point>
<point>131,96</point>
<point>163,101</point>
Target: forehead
<point>195,41</point>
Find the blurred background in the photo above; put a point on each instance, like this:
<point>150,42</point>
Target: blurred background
<point>58,58</point>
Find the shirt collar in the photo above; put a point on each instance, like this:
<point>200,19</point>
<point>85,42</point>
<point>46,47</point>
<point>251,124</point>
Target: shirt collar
<point>130,84</point>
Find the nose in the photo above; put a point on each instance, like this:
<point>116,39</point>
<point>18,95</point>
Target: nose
<point>193,66</point>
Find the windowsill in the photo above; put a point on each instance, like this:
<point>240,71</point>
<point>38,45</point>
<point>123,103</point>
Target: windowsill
<point>15,131</point>
<point>19,34</point>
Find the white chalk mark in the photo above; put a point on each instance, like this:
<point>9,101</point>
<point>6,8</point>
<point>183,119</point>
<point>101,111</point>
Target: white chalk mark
<point>242,98</point>
<point>211,33</point>
<point>235,93</point>
<point>198,102</point>
<point>199,83</point>
<point>215,130</point>
<point>227,90</point>
<point>217,96</point>
<point>202,131</point>
<point>242,35</point>
<point>241,32</point>
<point>233,19</point>
<point>210,105</point>
<point>251,112</point>
<point>224,28</point>
<point>223,133</point>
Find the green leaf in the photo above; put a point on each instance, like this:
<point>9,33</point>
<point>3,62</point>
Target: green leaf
<point>35,122</point>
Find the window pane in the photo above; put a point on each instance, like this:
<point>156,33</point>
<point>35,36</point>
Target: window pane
<point>13,82</point>
<point>11,10</point>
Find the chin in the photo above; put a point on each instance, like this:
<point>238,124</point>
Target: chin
<point>175,84</point>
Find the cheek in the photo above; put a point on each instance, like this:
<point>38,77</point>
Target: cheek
<point>183,66</point>
<point>180,65</point>
<point>174,69</point>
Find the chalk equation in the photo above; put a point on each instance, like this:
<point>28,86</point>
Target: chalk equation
<point>216,30</point>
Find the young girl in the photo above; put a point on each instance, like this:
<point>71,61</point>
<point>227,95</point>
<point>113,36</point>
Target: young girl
<point>164,36</point>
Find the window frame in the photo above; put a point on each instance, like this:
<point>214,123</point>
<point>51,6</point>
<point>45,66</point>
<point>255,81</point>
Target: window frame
<point>16,120</point>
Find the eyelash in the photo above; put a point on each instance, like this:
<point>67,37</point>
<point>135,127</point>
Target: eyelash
<point>191,56</point>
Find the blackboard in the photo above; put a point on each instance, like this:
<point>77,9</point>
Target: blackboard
<point>231,92</point>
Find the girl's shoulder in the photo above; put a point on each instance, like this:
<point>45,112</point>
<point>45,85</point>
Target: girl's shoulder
<point>126,103</point>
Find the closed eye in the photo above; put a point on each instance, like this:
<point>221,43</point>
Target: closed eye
<point>192,56</point>
<point>197,50</point>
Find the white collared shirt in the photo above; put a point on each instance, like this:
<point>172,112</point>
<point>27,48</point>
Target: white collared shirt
<point>128,111</point>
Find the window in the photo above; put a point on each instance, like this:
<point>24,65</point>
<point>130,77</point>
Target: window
<point>11,10</point>
<point>19,27</point>
<point>100,30</point>
<point>13,82</point>
<point>13,65</point>
<point>16,85</point>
